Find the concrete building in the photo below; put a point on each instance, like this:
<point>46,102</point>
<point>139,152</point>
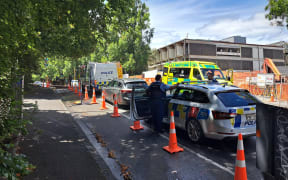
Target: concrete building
<point>228,53</point>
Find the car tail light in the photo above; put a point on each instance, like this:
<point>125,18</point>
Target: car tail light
<point>193,112</point>
<point>223,115</point>
<point>126,91</point>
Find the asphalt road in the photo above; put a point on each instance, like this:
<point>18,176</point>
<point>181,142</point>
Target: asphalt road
<point>142,151</point>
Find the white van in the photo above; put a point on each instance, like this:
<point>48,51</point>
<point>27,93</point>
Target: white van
<point>100,74</point>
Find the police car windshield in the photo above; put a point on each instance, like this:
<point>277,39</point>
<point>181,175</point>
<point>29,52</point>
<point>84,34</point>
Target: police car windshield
<point>217,73</point>
<point>235,99</point>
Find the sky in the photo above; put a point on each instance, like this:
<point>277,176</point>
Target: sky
<point>175,20</point>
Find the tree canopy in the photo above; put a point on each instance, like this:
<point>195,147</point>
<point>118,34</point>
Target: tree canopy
<point>278,11</point>
<point>68,32</point>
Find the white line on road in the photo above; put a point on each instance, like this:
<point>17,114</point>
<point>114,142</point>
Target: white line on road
<point>86,131</point>
<point>193,152</point>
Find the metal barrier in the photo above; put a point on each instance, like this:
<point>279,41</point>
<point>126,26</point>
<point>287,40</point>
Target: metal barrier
<point>272,141</point>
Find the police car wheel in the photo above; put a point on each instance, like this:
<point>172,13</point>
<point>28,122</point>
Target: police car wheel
<point>194,130</point>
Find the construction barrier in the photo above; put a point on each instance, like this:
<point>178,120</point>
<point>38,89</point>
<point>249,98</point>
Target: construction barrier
<point>243,80</point>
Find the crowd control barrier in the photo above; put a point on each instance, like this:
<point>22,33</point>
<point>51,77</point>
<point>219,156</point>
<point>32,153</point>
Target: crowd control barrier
<point>272,141</point>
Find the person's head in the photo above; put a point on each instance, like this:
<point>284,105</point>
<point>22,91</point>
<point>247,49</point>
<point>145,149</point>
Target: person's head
<point>210,75</point>
<point>158,78</point>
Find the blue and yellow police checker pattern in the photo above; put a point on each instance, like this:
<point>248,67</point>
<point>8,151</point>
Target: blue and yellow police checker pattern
<point>100,84</point>
<point>182,111</point>
<point>239,120</point>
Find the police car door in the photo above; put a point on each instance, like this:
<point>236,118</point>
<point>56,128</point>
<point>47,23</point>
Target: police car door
<point>180,104</point>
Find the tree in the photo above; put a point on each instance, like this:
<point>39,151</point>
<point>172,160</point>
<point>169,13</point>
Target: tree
<point>132,45</point>
<point>278,11</point>
<point>31,30</point>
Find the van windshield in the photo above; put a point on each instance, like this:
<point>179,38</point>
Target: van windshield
<point>217,73</point>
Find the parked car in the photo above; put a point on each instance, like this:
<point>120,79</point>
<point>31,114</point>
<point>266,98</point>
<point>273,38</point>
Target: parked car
<point>208,111</point>
<point>213,111</point>
<point>123,88</point>
<point>39,83</point>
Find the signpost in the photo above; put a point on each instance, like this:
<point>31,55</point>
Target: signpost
<point>264,80</point>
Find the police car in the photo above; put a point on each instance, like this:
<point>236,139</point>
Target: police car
<point>213,111</point>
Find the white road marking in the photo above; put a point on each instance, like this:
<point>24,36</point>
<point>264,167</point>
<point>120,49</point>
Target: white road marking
<point>115,168</point>
<point>193,152</point>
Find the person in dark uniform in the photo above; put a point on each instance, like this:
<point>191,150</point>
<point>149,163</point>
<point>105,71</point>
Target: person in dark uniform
<point>157,92</point>
<point>210,76</point>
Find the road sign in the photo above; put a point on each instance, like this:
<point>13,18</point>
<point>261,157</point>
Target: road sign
<point>265,79</point>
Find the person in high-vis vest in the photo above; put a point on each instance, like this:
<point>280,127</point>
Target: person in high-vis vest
<point>157,92</point>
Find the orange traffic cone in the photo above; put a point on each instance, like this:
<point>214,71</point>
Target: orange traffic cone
<point>103,102</point>
<point>76,92</point>
<point>115,112</point>
<point>93,97</point>
<point>80,93</point>
<point>72,88</point>
<point>69,88</point>
<point>172,147</point>
<point>272,95</point>
<point>86,93</point>
<point>240,167</point>
<point>137,126</point>
<point>47,84</point>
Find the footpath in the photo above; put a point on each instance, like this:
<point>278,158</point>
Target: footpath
<point>55,144</point>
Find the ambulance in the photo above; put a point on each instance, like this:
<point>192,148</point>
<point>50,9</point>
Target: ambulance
<point>195,71</point>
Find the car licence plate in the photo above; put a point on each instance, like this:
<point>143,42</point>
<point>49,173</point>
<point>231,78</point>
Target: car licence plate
<point>250,119</point>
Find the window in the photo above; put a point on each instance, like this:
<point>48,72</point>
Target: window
<point>115,84</point>
<point>238,98</point>
<point>120,84</point>
<point>191,95</point>
<point>200,97</point>
<point>165,71</point>
<point>180,72</point>
<point>217,73</point>
<point>183,94</point>
<point>130,85</point>
<point>111,83</point>
<point>228,51</point>
<point>196,74</point>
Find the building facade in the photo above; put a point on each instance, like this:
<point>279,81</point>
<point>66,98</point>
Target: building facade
<point>229,53</point>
